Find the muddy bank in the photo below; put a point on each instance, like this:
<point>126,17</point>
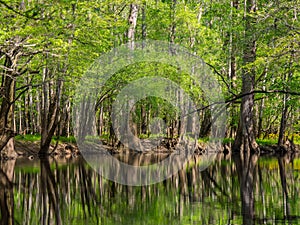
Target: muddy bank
<point>31,149</point>
<point>28,149</point>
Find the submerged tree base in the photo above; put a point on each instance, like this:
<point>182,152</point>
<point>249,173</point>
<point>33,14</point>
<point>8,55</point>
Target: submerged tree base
<point>31,149</point>
<point>8,152</point>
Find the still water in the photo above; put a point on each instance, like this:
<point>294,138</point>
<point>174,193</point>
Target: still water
<point>233,189</point>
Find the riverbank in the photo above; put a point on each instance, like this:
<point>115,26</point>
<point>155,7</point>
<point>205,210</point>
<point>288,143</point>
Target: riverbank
<point>31,148</point>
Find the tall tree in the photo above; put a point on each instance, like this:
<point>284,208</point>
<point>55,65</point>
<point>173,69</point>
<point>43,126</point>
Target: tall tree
<point>8,86</point>
<point>245,138</point>
<point>19,44</point>
<point>287,79</point>
<point>132,19</point>
<point>17,56</point>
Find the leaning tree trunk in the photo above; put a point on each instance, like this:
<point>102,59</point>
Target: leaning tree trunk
<point>245,139</point>
<point>15,53</point>
<point>7,111</point>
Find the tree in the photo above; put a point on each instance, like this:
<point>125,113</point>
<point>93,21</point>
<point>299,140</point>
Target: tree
<point>245,139</point>
<point>45,49</point>
<point>17,55</point>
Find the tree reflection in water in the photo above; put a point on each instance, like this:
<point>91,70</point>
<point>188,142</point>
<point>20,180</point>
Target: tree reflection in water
<point>7,192</point>
<point>242,189</point>
<point>283,160</point>
<point>246,164</point>
<point>50,197</point>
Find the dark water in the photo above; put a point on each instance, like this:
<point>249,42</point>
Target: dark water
<point>232,190</point>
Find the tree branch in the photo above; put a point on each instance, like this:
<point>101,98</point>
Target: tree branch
<point>223,79</point>
<point>19,13</point>
<point>246,94</point>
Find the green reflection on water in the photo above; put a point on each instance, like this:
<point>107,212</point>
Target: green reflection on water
<point>79,195</point>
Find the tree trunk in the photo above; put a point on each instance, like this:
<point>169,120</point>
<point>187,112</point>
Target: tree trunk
<point>173,23</point>
<point>205,124</point>
<point>286,97</point>
<point>245,139</point>
<point>65,121</point>
<point>133,14</point>
<point>283,122</point>
<point>50,114</point>
<point>143,123</point>
<point>261,109</point>
<point>232,67</point>
<point>7,112</point>
<point>144,26</point>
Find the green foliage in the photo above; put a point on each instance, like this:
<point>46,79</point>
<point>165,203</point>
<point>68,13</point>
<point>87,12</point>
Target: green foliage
<point>61,139</point>
<point>65,37</point>
<point>29,137</point>
<point>37,138</point>
<point>266,141</point>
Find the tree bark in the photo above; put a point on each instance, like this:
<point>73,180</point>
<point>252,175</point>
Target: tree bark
<point>286,97</point>
<point>206,124</point>
<point>283,121</point>
<point>232,68</point>
<point>144,26</point>
<point>173,23</point>
<point>15,53</point>
<point>261,109</point>
<point>245,139</point>
<point>50,114</point>
<point>7,110</point>
<point>132,19</point>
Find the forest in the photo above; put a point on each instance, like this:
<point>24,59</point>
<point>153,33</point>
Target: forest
<point>204,95</point>
<point>251,47</point>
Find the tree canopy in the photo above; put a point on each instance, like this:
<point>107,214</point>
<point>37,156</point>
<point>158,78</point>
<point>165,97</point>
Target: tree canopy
<point>253,49</point>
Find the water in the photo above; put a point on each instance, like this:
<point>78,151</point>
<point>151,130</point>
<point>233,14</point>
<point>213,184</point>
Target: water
<point>232,190</point>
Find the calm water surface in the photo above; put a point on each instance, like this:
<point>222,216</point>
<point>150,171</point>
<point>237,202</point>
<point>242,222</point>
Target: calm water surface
<point>232,190</point>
